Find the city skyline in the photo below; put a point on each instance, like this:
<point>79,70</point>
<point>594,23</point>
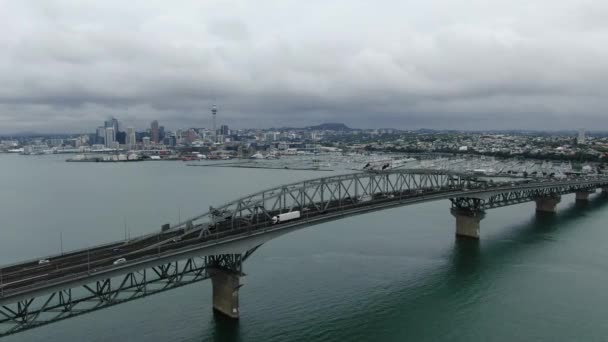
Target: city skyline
<point>428,64</point>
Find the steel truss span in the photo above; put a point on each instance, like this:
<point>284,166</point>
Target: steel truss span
<point>349,192</point>
<point>70,302</point>
<point>516,196</point>
<point>33,294</point>
<point>330,194</point>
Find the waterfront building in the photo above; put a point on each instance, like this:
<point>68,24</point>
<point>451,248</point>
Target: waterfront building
<point>110,137</point>
<point>224,130</point>
<point>112,123</point>
<point>191,135</point>
<point>131,138</point>
<point>100,138</point>
<point>155,132</point>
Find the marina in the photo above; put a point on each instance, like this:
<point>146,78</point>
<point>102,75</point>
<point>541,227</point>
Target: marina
<point>111,158</point>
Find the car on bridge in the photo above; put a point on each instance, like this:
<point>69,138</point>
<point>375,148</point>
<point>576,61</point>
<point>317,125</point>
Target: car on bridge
<point>119,261</point>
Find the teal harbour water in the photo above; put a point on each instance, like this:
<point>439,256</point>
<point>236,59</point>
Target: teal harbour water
<point>393,275</point>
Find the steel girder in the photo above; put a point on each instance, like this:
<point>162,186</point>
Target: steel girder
<point>317,196</point>
<point>70,302</point>
<point>329,194</point>
<point>517,196</point>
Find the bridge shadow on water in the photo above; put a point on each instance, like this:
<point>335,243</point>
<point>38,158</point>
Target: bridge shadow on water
<point>412,307</point>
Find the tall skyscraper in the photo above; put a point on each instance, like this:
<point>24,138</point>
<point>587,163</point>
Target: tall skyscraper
<point>110,137</point>
<point>112,123</point>
<point>131,142</point>
<point>155,132</point>
<point>581,136</point>
<point>213,115</point>
<point>224,130</point>
<point>100,138</point>
<point>161,133</point>
<point>178,136</point>
<point>115,125</point>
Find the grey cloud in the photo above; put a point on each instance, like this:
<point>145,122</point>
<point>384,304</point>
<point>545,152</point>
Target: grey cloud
<point>68,65</point>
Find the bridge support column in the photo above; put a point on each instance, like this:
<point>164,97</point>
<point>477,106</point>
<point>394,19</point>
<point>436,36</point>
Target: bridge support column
<point>547,204</point>
<point>226,285</point>
<point>582,196</point>
<point>467,222</point>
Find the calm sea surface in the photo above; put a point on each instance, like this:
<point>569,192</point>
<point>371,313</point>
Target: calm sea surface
<point>393,275</point>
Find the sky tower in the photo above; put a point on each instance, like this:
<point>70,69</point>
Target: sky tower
<point>214,115</point>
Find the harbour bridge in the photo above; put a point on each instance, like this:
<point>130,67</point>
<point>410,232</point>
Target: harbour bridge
<point>214,245</point>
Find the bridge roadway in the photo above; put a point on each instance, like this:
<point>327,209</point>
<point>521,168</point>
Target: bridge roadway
<point>21,283</point>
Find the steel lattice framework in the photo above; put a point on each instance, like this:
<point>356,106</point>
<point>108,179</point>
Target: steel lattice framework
<point>104,293</point>
<point>329,194</point>
<point>521,195</point>
<point>348,192</point>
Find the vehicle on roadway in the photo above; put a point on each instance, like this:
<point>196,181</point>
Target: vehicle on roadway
<point>119,261</point>
<point>286,217</point>
<point>365,198</point>
<point>43,261</point>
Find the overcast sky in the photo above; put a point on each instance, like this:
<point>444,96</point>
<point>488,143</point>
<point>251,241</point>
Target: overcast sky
<point>65,66</point>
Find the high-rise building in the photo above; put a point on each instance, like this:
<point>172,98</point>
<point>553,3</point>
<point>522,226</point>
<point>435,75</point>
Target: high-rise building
<point>131,139</point>
<point>224,130</point>
<point>112,123</point>
<point>161,133</point>
<point>110,137</point>
<point>100,138</point>
<point>581,136</point>
<point>172,140</point>
<point>155,132</point>
<point>178,136</point>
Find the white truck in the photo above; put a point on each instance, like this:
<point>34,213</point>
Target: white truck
<point>293,215</point>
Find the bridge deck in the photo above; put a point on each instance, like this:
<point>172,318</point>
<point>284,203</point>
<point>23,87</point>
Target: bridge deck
<point>19,278</point>
<point>241,226</point>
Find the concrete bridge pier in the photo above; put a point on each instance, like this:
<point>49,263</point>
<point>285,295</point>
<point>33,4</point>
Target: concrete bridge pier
<point>547,204</point>
<point>583,196</point>
<point>467,222</point>
<point>226,285</point>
